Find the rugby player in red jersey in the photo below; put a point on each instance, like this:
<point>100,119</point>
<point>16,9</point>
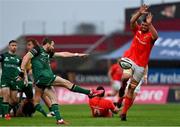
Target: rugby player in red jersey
<point>102,107</point>
<point>137,56</point>
<point>114,74</point>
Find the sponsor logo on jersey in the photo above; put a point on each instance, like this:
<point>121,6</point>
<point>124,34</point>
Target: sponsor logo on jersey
<point>142,42</point>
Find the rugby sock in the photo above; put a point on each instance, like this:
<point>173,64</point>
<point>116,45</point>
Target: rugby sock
<point>127,104</point>
<point>1,106</point>
<point>50,109</point>
<point>5,108</point>
<point>55,109</point>
<point>39,108</point>
<point>120,100</point>
<point>79,89</point>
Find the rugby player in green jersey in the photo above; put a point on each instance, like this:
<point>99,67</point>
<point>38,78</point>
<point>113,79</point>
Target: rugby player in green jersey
<point>44,78</point>
<point>31,43</point>
<point>10,64</point>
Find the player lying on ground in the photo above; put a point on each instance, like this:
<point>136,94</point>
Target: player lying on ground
<point>10,64</point>
<point>137,56</point>
<point>44,78</point>
<point>102,107</point>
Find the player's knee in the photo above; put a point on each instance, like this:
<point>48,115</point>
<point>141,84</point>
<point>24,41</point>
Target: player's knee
<point>125,77</point>
<point>6,97</point>
<point>133,85</point>
<point>68,84</point>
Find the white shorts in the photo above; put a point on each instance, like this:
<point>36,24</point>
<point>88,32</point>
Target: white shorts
<point>138,71</point>
<point>116,85</point>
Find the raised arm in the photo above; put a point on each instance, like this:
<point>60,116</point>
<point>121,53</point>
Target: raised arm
<point>142,10</point>
<point>69,54</point>
<point>151,27</point>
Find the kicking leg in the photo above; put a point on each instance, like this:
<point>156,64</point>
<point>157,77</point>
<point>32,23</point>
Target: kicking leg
<point>127,73</point>
<point>75,88</point>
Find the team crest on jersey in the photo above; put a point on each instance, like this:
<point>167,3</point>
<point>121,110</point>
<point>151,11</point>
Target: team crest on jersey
<point>6,59</point>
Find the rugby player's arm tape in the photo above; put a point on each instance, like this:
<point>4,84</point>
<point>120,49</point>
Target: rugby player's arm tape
<point>35,51</point>
<point>21,74</point>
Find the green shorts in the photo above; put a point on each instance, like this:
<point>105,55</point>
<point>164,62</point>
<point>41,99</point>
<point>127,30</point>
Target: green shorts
<point>12,84</point>
<point>44,82</point>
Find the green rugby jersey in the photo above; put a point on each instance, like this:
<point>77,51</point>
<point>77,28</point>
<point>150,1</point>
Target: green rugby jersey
<point>10,64</point>
<point>41,63</point>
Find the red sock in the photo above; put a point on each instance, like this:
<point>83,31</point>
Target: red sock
<point>127,104</point>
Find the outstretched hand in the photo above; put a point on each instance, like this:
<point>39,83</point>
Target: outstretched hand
<point>83,55</point>
<point>143,9</point>
<point>149,18</point>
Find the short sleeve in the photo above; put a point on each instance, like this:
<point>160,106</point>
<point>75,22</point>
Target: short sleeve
<point>1,57</point>
<point>35,51</point>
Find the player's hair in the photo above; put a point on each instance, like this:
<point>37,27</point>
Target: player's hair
<point>46,40</point>
<point>28,108</point>
<point>12,41</point>
<point>34,41</point>
<point>101,88</point>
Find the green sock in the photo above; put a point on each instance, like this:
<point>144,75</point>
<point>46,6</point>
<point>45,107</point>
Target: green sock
<point>78,89</point>
<point>5,108</point>
<point>1,106</point>
<point>55,109</point>
<point>39,108</point>
<point>50,109</point>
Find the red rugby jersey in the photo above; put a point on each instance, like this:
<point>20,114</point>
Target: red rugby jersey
<point>101,107</point>
<point>140,49</point>
<point>116,72</point>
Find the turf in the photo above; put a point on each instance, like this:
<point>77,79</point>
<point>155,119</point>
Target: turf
<point>79,115</point>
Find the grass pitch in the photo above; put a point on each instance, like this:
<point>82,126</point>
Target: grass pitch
<point>79,115</point>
